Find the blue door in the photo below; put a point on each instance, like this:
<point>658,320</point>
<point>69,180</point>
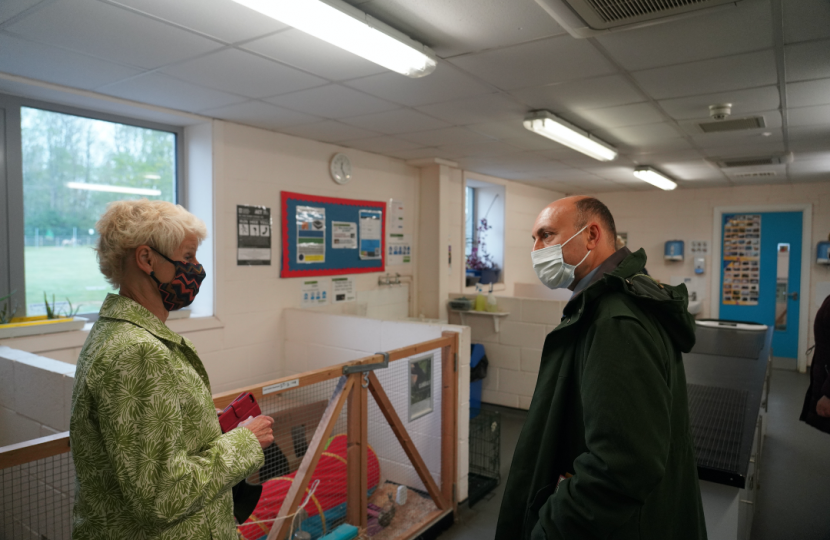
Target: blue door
<point>761,273</point>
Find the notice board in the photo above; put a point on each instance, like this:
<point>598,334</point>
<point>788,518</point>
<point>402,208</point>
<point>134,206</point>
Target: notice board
<point>327,236</point>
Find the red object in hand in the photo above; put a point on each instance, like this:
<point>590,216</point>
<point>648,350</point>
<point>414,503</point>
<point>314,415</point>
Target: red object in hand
<point>242,407</point>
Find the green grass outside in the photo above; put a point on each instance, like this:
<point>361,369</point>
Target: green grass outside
<point>66,272</point>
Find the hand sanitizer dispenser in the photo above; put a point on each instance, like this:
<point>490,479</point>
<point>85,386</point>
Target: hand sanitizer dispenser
<point>700,265</point>
<point>823,253</point>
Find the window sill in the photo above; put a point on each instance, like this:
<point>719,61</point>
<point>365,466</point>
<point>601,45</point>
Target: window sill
<point>497,287</point>
<point>69,340</point>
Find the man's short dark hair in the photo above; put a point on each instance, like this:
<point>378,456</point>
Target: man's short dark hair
<point>591,208</point>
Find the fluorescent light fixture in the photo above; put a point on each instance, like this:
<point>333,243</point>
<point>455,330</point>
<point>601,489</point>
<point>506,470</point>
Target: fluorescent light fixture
<point>551,126</point>
<point>114,189</point>
<point>655,178</point>
<point>345,26</point>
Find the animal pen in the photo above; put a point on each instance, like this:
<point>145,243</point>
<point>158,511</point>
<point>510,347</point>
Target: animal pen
<point>385,465</point>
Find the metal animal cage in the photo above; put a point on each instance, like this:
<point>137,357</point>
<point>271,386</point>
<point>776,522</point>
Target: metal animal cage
<point>385,465</point>
<point>485,454</point>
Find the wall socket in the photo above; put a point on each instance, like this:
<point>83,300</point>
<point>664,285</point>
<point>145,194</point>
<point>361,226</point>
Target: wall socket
<point>700,246</point>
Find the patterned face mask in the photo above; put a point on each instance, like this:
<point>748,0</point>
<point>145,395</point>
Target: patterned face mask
<point>180,292</point>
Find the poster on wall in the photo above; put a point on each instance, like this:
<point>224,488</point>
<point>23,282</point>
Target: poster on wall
<point>253,235</point>
<point>396,216</point>
<point>343,290</point>
<point>315,292</point>
<point>343,235</point>
<point>371,233</point>
<point>311,235</point>
<point>420,387</point>
<point>741,259</point>
<point>398,249</point>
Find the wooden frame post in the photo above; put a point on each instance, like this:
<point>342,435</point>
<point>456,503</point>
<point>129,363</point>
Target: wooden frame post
<point>357,433</point>
<point>449,420</point>
<point>310,460</point>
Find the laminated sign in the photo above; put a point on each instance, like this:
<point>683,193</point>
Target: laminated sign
<point>253,230</point>
<point>311,235</point>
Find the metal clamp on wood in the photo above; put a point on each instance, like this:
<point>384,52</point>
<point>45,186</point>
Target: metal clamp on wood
<point>361,368</point>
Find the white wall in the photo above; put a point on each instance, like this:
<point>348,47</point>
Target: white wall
<point>652,217</point>
<point>35,396</point>
<point>316,340</point>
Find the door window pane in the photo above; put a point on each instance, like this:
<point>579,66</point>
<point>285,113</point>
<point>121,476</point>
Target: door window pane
<point>72,168</point>
<point>781,286</point>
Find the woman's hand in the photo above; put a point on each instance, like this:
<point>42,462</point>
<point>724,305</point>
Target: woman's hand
<point>823,407</point>
<point>261,427</point>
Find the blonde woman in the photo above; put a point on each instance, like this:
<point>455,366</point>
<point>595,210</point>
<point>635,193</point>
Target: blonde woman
<point>150,458</point>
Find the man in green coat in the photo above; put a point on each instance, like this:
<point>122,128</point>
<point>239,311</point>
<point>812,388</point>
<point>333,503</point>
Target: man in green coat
<point>606,451</point>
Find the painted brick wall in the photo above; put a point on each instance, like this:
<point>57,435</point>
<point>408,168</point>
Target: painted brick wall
<point>515,351</point>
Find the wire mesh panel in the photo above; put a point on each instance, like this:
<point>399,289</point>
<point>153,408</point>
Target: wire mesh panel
<point>485,454</point>
<point>297,414</point>
<point>413,386</point>
<point>37,499</point>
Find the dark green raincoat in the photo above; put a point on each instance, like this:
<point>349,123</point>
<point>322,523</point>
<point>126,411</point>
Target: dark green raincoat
<point>610,409</point>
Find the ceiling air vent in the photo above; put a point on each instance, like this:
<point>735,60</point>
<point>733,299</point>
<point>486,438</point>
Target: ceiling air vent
<point>586,18</point>
<point>754,174</point>
<point>753,161</point>
<point>738,124</point>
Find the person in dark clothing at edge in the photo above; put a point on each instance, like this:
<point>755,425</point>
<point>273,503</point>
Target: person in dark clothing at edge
<point>606,450</point>
<point>816,410</point>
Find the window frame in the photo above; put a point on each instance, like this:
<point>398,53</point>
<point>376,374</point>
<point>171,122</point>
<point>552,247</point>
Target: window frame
<point>12,252</point>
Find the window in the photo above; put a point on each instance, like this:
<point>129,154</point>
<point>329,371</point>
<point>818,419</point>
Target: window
<point>66,169</point>
<point>484,201</point>
<point>469,219</point>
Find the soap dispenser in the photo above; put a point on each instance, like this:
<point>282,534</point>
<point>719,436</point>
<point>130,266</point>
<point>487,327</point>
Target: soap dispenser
<point>492,306</point>
<point>481,300</point>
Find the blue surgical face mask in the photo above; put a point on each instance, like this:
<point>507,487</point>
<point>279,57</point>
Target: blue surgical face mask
<point>551,267</point>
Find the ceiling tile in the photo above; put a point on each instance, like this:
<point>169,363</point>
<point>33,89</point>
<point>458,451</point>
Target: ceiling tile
<point>453,135</point>
<point>444,84</point>
<point>645,135</point>
<point>810,167</point>
<point>745,101</point>
<point>534,142</point>
<point>329,131</point>
<point>625,115</point>
<point>502,130</point>
<point>588,94</point>
<point>744,28</point>
<point>807,93</point>
<point>537,63</point>
<point>13,8</point>
<point>809,116</point>
<point>221,19</point>
<point>59,66</point>
<point>746,148</point>
<point>243,73</point>
<point>461,26</point>
<point>807,61</point>
<point>395,122</point>
<point>490,149</point>
<point>420,153</point>
<point>691,170</point>
<point>111,33</point>
<point>333,101</point>
<point>260,114</point>
<point>314,55</point>
<point>381,145</point>
<point>478,109</point>
<point>160,89</point>
<point>805,20</point>
<point>710,76</point>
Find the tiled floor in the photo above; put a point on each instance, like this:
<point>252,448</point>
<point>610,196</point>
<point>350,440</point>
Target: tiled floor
<point>795,481</point>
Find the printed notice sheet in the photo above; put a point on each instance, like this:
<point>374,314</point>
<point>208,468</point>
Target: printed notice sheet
<point>311,235</point>
<point>371,231</point>
<point>343,235</point>
<point>398,249</point>
<point>253,235</point>
<point>342,290</point>
<point>396,216</point>
<point>420,387</point>
<point>315,292</point>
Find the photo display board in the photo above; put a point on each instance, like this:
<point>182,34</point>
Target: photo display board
<point>326,236</point>
<point>741,259</point>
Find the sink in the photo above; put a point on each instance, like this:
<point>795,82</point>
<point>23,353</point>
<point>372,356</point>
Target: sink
<point>695,306</point>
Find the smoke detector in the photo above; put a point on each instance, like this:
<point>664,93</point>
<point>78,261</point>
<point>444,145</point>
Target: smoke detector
<point>721,111</point>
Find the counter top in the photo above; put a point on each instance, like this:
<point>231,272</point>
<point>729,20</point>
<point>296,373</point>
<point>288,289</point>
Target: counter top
<point>725,374</point>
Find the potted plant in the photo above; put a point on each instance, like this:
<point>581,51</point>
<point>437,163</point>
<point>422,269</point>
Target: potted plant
<point>479,261</point>
<point>53,321</point>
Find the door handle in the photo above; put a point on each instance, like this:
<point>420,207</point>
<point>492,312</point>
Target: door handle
<point>793,296</point>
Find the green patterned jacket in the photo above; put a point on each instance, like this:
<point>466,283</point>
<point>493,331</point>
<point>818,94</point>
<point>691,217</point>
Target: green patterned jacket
<point>150,457</point>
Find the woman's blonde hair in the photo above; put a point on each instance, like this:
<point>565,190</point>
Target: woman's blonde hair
<point>127,225</point>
